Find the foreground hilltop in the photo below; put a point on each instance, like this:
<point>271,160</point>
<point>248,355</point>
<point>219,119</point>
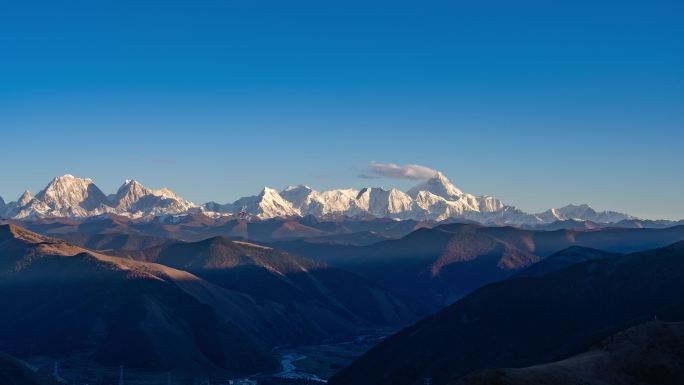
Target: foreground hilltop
<point>65,301</point>
<point>648,354</point>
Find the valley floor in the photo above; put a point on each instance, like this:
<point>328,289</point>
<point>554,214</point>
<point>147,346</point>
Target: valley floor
<point>319,362</point>
<point>302,365</point>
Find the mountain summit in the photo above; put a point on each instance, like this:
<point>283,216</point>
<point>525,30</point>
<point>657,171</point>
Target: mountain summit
<point>135,198</point>
<point>68,192</point>
<point>438,185</point>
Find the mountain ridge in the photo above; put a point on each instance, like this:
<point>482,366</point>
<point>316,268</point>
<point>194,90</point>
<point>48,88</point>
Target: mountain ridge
<point>436,199</point>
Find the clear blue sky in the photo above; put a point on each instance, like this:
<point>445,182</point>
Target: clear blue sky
<point>539,103</point>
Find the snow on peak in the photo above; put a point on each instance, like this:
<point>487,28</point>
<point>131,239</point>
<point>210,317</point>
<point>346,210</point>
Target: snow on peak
<point>70,196</point>
<point>268,204</point>
<point>384,203</point>
<point>69,176</point>
<point>133,197</point>
<point>438,185</point>
<point>299,187</point>
<point>331,202</point>
<point>68,191</point>
<point>268,191</point>
<point>129,194</point>
<point>25,198</point>
<point>584,212</point>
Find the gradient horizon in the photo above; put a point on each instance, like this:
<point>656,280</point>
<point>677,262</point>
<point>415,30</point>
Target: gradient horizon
<point>537,104</point>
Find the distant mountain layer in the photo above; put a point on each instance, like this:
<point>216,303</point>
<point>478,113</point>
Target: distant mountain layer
<point>440,265</point>
<point>196,227</point>
<point>527,321</point>
<point>430,263</point>
<point>437,199</point>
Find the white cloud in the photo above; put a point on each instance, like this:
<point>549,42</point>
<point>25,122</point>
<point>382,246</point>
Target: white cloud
<point>395,171</point>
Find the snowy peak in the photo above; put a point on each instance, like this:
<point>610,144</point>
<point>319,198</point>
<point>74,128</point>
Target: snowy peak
<point>268,204</point>
<point>272,204</point>
<point>297,188</point>
<point>310,202</point>
<point>576,211</point>
<point>135,198</point>
<point>585,212</point>
<point>384,203</point>
<point>69,196</point>
<point>582,212</point>
<point>25,198</point>
<point>130,193</point>
<point>438,185</point>
<point>67,192</point>
<point>269,192</point>
<point>551,215</point>
<point>459,203</point>
<point>299,195</point>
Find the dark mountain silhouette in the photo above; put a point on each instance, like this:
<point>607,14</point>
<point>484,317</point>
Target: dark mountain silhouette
<point>16,372</point>
<point>647,354</point>
<point>61,300</point>
<point>528,321</point>
<point>562,259</point>
<point>362,238</point>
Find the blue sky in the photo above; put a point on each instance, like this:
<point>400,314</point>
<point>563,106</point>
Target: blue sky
<point>538,103</point>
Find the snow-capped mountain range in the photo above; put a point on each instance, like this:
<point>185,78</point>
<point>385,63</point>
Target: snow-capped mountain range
<point>437,199</point>
<point>69,196</point>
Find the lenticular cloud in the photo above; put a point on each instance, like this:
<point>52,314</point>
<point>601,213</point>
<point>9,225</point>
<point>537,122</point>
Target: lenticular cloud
<point>408,171</point>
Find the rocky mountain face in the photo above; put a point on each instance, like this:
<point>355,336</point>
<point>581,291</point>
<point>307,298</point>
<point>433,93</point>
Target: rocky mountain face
<point>437,199</point>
